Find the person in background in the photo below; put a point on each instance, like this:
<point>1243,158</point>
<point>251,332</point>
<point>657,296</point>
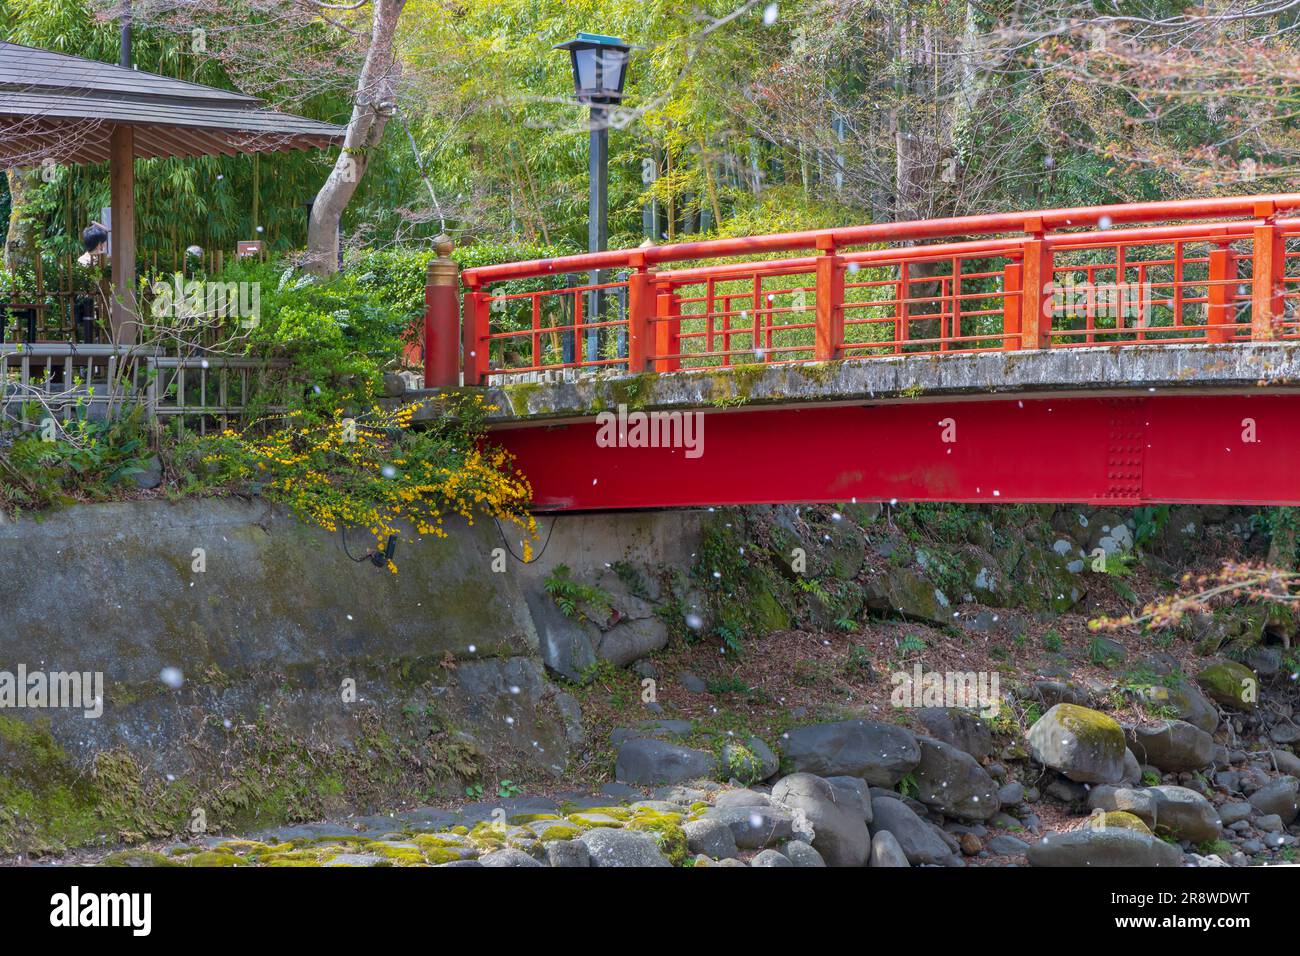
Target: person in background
<point>95,238</point>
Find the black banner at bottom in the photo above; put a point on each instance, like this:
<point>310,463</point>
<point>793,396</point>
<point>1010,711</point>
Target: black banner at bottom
<point>139,906</point>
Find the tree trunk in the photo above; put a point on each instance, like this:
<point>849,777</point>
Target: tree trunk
<point>20,240</point>
<point>374,103</point>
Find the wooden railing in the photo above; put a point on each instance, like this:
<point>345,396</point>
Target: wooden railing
<point>66,381</point>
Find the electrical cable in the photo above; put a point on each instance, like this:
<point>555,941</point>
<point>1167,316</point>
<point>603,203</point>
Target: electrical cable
<point>538,555</point>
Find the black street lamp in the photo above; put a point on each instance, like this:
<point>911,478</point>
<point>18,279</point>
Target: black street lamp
<point>599,70</point>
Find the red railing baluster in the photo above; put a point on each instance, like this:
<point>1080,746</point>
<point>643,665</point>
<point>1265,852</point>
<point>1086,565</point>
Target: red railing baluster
<point>1012,284</point>
<point>1220,313</point>
<point>475,332</point>
<point>537,329</point>
<point>668,327</point>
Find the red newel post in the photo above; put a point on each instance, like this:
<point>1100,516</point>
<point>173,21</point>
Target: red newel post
<point>441,320</point>
<point>829,341</point>
<point>1036,297</point>
<point>1267,305</point>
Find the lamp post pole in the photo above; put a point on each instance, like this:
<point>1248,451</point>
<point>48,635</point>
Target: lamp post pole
<point>597,216</point>
<point>599,69</point>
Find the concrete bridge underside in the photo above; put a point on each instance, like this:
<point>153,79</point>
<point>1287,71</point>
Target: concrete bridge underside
<point>1128,425</point>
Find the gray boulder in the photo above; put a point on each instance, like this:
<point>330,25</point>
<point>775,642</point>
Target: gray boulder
<point>710,837</point>
<point>507,857</point>
<point>882,754</point>
<point>962,729</point>
<point>1113,846</point>
<point>1006,845</point>
<point>952,782</point>
<point>1011,794</point>
<point>1186,700</point>
<point>608,846</point>
<point>755,827</point>
<point>839,831</point>
<point>1084,744</point>
<point>645,761</point>
<point>632,640</point>
<point>770,858</point>
<point>1234,812</point>
<point>852,792</point>
<point>920,842</point>
<point>1286,762</point>
<point>1182,813</point>
<point>1174,746</point>
<point>567,853</point>
<point>1132,769</point>
<point>802,855</point>
<point>1277,797</point>
<point>565,644</point>
<point>742,797</point>
<point>885,850</point>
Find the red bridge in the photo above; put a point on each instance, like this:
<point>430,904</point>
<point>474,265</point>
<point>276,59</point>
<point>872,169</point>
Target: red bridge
<point>1124,354</point>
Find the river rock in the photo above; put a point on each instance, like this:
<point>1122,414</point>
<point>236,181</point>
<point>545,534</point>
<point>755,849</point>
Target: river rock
<point>1173,746</point>
<point>958,727</point>
<point>770,858</point>
<point>755,827</point>
<point>885,850</point>
<point>839,832</point>
<point>920,841</point>
<point>607,846</point>
<point>1187,701</point>
<point>880,753</point>
<point>952,782</point>
<point>1277,797</point>
<point>1230,684</point>
<point>1182,813</point>
<point>803,855</point>
<point>646,762</point>
<point>711,837</point>
<point>1103,848</point>
<point>1084,744</point>
<point>507,857</point>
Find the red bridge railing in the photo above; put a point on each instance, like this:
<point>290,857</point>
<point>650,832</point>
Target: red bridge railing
<point>1208,270</point>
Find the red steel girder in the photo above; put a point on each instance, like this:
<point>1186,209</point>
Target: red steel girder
<point>1120,450</point>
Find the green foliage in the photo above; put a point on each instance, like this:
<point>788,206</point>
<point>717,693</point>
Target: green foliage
<point>1148,523</point>
<point>575,599</point>
<point>90,461</point>
<point>717,686</point>
<point>1100,652</point>
<point>908,786</point>
<point>1051,640</point>
<point>912,643</point>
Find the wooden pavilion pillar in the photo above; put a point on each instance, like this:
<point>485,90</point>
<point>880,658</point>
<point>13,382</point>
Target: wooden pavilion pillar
<point>124,319</point>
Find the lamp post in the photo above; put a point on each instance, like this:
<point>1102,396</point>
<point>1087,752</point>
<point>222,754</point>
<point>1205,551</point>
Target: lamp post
<point>599,70</point>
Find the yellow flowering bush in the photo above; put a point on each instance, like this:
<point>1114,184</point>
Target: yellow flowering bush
<point>373,470</point>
